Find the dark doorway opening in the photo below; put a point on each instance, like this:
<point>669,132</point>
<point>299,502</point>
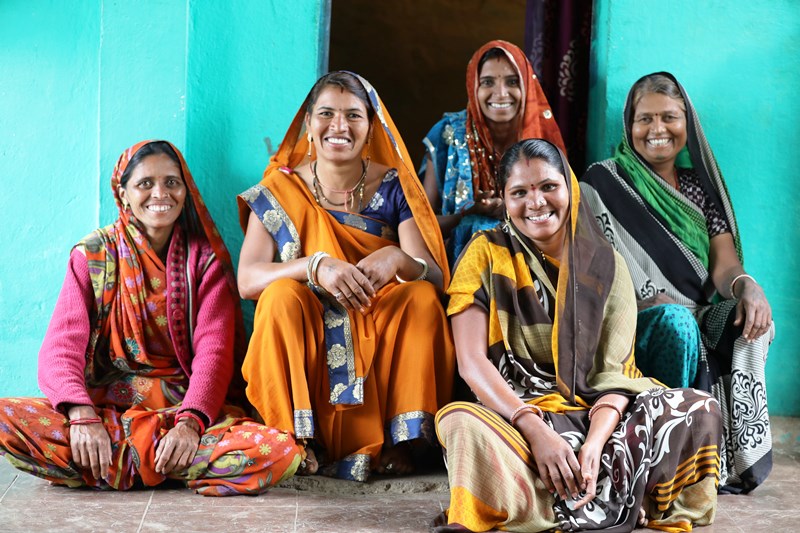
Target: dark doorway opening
<point>415,52</point>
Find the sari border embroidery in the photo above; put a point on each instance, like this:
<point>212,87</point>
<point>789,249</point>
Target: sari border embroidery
<point>412,425</point>
<point>275,220</point>
<point>303,423</point>
<point>345,387</point>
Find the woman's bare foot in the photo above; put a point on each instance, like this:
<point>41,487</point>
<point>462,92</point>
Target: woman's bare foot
<point>397,460</point>
<point>642,522</point>
<point>309,465</point>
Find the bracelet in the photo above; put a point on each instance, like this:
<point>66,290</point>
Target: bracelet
<point>525,407</point>
<point>600,405</point>
<point>422,276</point>
<point>312,265</point>
<point>188,414</point>
<point>308,266</point>
<point>85,421</point>
<point>737,278</point>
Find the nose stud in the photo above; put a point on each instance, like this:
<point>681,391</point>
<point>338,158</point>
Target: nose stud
<point>540,202</point>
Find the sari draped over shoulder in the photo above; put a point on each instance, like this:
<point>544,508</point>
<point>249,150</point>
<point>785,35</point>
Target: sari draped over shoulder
<point>161,341</point>
<point>663,235</point>
<point>463,154</point>
<point>562,347</point>
<point>343,378</point>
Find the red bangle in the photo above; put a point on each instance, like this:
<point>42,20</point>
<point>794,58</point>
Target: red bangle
<point>84,421</point>
<point>600,405</point>
<point>522,408</point>
<point>188,414</point>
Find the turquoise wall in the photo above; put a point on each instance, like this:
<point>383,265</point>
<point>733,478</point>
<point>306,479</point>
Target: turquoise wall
<point>738,62</point>
<point>81,81</point>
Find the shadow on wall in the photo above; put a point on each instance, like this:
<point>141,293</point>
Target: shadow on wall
<point>415,53</point>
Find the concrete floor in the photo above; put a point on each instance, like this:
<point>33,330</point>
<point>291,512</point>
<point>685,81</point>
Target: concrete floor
<point>28,504</point>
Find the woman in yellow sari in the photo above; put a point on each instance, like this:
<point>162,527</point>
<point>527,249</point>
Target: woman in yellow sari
<point>341,250</point>
<point>568,434</point>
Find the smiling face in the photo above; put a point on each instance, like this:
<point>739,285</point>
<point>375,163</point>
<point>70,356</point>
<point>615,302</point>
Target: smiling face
<point>658,131</point>
<point>156,193</point>
<point>339,124</point>
<point>499,90</point>
<point>537,200</point>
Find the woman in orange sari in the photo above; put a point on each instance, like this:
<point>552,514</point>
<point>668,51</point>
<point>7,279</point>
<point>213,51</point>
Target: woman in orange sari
<point>140,352</point>
<point>351,349</point>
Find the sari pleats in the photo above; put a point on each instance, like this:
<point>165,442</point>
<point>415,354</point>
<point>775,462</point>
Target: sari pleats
<point>288,370</point>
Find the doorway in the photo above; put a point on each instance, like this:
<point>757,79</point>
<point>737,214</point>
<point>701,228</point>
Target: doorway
<point>415,52</point>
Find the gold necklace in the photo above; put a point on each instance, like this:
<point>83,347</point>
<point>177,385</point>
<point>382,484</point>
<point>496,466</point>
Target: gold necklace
<point>318,187</point>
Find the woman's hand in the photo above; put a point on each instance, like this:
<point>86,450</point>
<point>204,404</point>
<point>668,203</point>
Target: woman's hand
<point>346,283</point>
<point>753,309</point>
<point>589,459</point>
<point>176,450</point>
<point>555,460</point>
<point>753,312</point>
<point>381,266</point>
<point>487,204</point>
<point>90,443</point>
<point>659,299</point>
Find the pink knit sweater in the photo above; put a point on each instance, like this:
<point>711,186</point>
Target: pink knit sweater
<point>62,358</point>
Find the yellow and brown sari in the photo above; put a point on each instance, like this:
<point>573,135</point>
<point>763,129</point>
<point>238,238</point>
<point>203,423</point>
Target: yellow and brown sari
<point>562,347</point>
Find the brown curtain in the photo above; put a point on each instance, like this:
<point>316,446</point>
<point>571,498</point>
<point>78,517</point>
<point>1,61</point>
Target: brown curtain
<point>557,41</point>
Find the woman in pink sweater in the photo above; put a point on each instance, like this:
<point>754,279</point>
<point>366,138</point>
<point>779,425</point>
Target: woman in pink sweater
<point>139,353</point>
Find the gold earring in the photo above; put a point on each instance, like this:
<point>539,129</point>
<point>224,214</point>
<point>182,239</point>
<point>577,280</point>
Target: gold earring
<point>310,141</point>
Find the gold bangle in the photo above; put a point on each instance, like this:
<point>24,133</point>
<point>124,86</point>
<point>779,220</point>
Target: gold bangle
<point>601,405</point>
<point>521,409</point>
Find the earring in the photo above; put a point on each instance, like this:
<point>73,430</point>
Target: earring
<point>310,143</point>
<point>368,149</point>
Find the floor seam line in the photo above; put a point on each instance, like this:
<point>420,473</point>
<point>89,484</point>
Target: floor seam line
<point>3,497</point>
<point>146,509</point>
<point>296,511</point>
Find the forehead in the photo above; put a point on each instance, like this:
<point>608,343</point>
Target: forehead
<point>498,66</point>
<point>531,172</point>
<point>339,98</point>
<point>156,164</point>
<point>652,103</point>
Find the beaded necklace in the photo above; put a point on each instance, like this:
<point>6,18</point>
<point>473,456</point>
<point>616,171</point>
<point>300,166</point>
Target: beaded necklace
<point>349,194</point>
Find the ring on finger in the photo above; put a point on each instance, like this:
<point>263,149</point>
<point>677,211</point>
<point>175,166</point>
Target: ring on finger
<point>337,295</point>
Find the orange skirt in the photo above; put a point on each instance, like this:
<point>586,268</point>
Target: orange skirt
<point>235,455</point>
<point>403,363</point>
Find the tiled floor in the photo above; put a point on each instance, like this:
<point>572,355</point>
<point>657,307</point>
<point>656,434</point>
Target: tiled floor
<point>28,504</point>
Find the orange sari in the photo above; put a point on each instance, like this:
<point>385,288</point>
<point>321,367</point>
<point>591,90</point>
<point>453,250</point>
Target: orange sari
<point>346,379</point>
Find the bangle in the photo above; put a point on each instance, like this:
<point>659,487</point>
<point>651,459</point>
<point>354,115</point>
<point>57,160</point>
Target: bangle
<point>422,276</point>
<point>522,408</point>
<point>737,278</point>
<point>601,405</point>
<point>84,421</point>
<point>312,265</point>
<point>188,414</point>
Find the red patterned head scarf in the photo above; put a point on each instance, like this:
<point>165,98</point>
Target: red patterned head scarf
<point>113,253</point>
<point>194,208</point>
<point>536,117</point>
